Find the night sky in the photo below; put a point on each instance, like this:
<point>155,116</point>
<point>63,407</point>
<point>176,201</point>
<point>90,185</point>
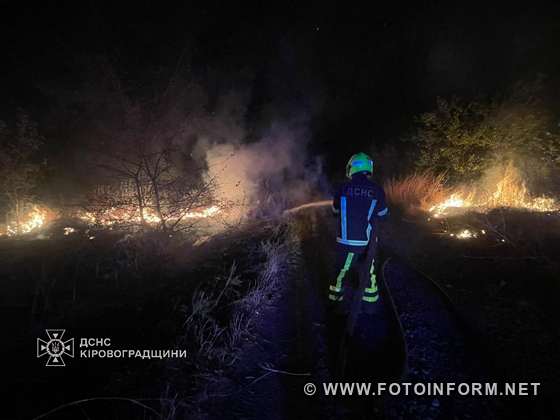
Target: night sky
<point>361,76</point>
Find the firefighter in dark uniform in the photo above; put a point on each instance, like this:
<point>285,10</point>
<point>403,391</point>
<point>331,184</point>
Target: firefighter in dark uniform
<point>357,204</point>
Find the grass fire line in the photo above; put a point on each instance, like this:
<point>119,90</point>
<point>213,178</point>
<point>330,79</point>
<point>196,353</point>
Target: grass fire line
<point>40,216</point>
<point>430,193</point>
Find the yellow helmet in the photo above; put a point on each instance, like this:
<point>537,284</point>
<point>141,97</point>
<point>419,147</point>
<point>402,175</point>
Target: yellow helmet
<point>360,162</point>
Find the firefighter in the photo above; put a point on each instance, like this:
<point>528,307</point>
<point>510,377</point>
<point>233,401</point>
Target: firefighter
<point>357,204</point>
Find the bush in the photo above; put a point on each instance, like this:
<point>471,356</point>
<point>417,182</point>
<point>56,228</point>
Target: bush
<point>463,139</point>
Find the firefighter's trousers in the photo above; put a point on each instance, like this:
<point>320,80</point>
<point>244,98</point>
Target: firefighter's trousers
<point>356,272</point>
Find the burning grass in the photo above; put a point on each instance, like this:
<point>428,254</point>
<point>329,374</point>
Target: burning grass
<point>417,191</point>
<point>29,221</point>
<point>39,217</point>
<point>114,216</point>
<point>502,187</point>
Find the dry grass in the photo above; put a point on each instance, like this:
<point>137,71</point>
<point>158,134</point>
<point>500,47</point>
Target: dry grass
<point>418,191</point>
<point>221,317</point>
<point>207,337</point>
<point>503,186</point>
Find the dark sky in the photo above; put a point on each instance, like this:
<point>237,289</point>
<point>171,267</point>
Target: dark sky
<point>361,74</point>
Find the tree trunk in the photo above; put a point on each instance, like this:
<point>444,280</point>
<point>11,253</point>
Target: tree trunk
<point>17,216</point>
<point>157,199</point>
<point>140,200</point>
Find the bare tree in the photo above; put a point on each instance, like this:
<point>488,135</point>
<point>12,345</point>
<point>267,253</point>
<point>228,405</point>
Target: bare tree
<point>145,179</point>
<point>144,189</point>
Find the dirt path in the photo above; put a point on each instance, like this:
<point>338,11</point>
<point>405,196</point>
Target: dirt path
<point>440,349</point>
<point>269,378</point>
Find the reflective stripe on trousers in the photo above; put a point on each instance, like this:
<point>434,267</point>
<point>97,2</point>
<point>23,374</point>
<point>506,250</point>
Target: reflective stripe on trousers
<point>371,293</point>
<point>365,266</point>
<point>337,291</point>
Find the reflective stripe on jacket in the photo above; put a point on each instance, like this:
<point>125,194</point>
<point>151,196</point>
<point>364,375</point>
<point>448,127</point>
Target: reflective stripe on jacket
<point>357,203</point>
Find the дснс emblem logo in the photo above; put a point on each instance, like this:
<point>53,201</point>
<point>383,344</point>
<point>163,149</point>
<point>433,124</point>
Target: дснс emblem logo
<point>55,347</point>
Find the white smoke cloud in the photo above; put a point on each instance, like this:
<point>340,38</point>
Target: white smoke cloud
<point>264,177</point>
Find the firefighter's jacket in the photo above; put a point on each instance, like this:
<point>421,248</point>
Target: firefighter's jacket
<point>357,203</point>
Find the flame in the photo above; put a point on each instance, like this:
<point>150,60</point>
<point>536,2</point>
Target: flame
<point>509,190</point>
<point>454,201</point>
<point>31,221</point>
<point>114,216</point>
<point>207,212</point>
<point>39,216</point>
<point>150,217</point>
<point>465,234</point>
<point>69,230</point>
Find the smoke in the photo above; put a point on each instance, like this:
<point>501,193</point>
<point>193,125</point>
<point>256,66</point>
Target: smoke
<point>262,178</point>
<point>246,135</point>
